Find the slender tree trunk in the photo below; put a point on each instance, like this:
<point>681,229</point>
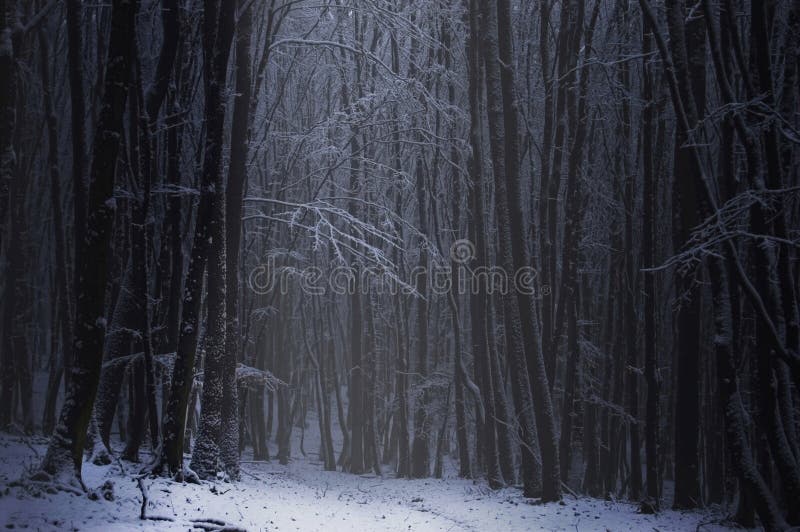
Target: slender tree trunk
<point>688,52</point>
<point>8,177</point>
<point>515,342</point>
<point>63,327</point>
<point>8,115</point>
<point>237,178</point>
<point>420,459</point>
<point>218,28</point>
<point>78,123</point>
<point>124,339</point>
<point>479,299</point>
<point>567,308</point>
<point>649,253</point>
<point>542,402</point>
<point>217,36</point>
<point>145,235</point>
<point>544,203</point>
<point>65,452</point>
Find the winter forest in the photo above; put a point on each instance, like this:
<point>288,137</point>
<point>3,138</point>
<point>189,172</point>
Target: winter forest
<point>400,264</point>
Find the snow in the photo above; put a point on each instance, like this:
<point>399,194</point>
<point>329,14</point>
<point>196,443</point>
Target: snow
<point>301,496</point>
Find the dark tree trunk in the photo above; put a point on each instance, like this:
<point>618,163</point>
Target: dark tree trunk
<point>544,203</point>
<point>420,459</point>
<point>630,284</point>
<point>688,54</point>
<point>78,124</point>
<point>8,157</point>
<point>8,179</point>
<point>218,28</point>
<point>137,411</point>
<point>537,375</point>
<point>737,446</point>
<point>481,350</point>
<point>16,377</point>
<point>567,309</point>
<point>63,328</point>
<point>217,36</point>
<point>515,341</point>
<point>237,178</point>
<point>65,452</point>
<point>649,257</point>
<point>124,340</point>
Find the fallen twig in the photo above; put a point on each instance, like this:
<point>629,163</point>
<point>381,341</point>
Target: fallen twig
<point>143,513</point>
<point>215,525</point>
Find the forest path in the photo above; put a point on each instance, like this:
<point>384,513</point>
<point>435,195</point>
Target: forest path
<point>300,496</point>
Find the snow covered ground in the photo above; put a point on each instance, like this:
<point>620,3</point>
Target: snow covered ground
<point>301,496</point>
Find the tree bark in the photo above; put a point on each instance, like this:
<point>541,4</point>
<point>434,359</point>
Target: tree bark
<point>218,29</point>
<point>78,125</point>
<point>688,54</point>
<point>532,473</point>
<point>649,253</point>
<point>237,178</point>
<point>8,171</point>
<point>217,36</point>
<point>537,375</point>
<point>65,451</point>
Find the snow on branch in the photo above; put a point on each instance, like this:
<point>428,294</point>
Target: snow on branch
<point>166,361</point>
<point>345,233</point>
<point>334,44</point>
<point>255,378</point>
<point>730,221</point>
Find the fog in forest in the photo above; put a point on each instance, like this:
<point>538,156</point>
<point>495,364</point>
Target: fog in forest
<point>400,264</point>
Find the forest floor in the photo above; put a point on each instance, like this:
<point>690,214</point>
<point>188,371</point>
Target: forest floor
<point>300,496</point>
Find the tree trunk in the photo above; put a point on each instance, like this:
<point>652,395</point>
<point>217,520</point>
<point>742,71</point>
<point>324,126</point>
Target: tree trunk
<point>217,36</point>
<point>515,341</point>
<point>688,54</point>
<point>479,300</point>
<point>78,124</point>
<point>8,182</point>
<point>237,177</point>
<point>8,157</point>
<point>218,28</point>
<point>65,451</point>
<point>542,402</point>
<point>64,326</point>
<point>650,295</point>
